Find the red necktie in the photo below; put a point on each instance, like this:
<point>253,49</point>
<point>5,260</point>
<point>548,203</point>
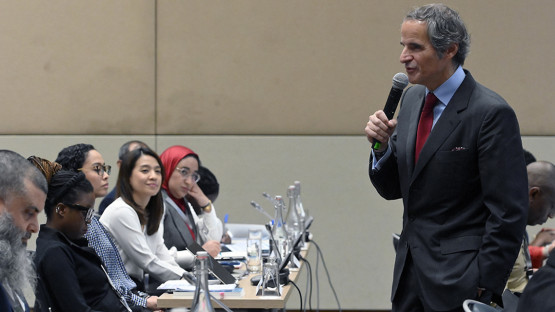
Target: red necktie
<point>425,123</point>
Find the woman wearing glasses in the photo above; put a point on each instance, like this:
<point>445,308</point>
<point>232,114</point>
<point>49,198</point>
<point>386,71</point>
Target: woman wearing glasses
<point>134,218</point>
<point>71,276</point>
<point>182,225</point>
<point>85,158</point>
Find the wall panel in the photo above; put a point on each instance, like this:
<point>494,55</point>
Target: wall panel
<point>74,67</point>
<point>245,66</point>
<point>321,67</point>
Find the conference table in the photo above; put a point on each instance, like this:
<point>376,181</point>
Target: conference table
<point>249,300</point>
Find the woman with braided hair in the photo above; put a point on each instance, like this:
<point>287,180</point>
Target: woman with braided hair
<point>71,276</point>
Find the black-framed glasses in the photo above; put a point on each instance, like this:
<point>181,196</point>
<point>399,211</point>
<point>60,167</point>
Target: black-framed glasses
<point>87,212</point>
<point>186,173</point>
<point>100,169</point>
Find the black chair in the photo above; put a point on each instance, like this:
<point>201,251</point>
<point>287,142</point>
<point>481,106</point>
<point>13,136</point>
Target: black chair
<point>510,301</point>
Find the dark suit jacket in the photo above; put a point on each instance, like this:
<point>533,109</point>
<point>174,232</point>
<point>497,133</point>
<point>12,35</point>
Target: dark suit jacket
<point>106,201</point>
<point>465,201</point>
<point>5,302</point>
<point>538,294</point>
<point>176,232</point>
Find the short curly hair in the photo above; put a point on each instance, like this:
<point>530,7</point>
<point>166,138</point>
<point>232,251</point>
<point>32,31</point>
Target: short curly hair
<point>73,157</point>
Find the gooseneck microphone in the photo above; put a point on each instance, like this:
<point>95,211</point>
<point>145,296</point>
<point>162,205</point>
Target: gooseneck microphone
<point>400,81</point>
<point>261,210</point>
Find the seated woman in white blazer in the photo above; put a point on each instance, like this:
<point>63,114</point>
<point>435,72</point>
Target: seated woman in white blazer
<point>134,218</point>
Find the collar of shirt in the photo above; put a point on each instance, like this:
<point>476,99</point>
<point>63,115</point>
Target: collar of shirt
<point>445,92</point>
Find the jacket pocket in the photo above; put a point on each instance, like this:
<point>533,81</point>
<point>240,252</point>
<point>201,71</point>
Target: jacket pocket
<point>458,244</point>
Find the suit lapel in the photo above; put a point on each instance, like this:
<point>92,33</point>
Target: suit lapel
<point>447,122</point>
<point>178,220</point>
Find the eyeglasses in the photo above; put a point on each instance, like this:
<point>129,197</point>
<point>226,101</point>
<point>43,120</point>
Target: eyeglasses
<point>100,169</point>
<point>185,173</point>
<point>85,211</point>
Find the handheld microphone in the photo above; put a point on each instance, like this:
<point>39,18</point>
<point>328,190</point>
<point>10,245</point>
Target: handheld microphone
<point>400,81</point>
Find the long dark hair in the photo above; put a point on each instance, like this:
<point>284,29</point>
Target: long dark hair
<point>152,215</point>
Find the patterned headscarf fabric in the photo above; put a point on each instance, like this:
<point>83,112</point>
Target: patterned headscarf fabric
<point>48,168</point>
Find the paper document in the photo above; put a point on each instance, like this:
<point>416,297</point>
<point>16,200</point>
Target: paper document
<point>239,249</point>
<point>183,285</point>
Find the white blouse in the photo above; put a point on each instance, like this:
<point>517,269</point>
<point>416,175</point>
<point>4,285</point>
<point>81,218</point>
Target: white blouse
<point>139,251</point>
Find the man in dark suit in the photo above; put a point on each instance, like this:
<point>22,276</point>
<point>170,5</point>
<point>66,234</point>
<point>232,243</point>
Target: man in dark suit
<point>464,193</point>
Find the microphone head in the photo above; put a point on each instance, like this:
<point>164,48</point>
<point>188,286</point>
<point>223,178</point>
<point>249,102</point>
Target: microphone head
<point>400,81</point>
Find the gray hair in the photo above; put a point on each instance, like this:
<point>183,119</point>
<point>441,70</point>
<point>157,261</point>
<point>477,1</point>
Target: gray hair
<point>445,27</point>
<point>16,266</point>
<point>14,170</point>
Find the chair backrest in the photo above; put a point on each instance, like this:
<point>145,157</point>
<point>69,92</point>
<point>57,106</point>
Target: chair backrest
<point>470,305</point>
<point>510,301</point>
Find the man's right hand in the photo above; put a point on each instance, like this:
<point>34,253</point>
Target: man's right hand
<point>380,128</point>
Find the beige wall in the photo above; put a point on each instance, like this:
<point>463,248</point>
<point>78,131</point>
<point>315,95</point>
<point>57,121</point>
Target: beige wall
<point>266,91</point>
<point>244,66</point>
